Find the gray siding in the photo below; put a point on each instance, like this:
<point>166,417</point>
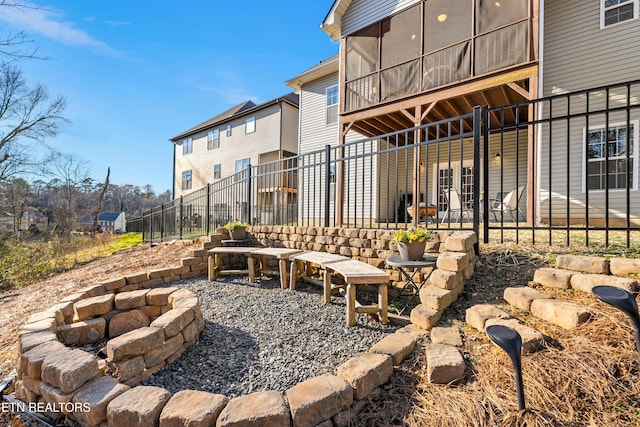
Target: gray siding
<point>314,132</point>
<point>364,12</point>
<point>578,54</point>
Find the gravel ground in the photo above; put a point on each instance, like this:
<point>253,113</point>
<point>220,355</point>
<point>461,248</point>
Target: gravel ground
<point>258,337</point>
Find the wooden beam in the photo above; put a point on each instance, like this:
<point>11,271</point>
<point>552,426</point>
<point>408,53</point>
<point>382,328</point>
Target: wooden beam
<point>493,81</point>
<point>427,110</point>
<point>520,90</point>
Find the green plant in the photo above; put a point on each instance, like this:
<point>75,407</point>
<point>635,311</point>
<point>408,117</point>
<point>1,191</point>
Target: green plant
<point>235,225</point>
<point>412,234</point>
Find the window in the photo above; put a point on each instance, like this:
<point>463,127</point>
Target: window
<point>611,147</point>
<point>242,164</point>
<point>616,11</point>
<point>187,146</point>
<point>228,130</point>
<point>213,139</point>
<point>332,104</point>
<point>217,171</point>
<point>250,125</point>
<point>186,180</point>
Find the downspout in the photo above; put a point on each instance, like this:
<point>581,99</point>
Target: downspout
<point>173,180</point>
<point>537,219</point>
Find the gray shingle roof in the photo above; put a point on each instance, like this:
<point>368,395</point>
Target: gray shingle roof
<point>235,112</point>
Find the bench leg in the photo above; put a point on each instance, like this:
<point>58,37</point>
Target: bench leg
<point>351,305</point>
<point>293,276</point>
<point>252,269</point>
<point>211,267</point>
<point>326,296</point>
<point>262,265</point>
<point>282,264</point>
<point>382,303</point>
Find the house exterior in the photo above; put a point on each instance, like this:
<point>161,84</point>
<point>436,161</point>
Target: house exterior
<point>223,152</point>
<point>407,63</point>
<point>109,222</point>
<point>244,135</point>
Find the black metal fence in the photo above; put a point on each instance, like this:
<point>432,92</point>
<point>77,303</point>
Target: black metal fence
<point>576,155</point>
<point>557,170</point>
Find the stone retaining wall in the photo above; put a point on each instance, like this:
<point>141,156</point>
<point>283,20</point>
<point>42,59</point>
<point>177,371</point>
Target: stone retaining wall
<point>150,328</point>
<point>145,329</point>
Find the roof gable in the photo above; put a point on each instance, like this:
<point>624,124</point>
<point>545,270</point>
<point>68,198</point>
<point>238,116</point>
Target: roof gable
<point>235,112</point>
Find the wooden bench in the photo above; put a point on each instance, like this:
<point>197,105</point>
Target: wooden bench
<point>216,267</point>
<point>282,254</point>
<point>353,272</point>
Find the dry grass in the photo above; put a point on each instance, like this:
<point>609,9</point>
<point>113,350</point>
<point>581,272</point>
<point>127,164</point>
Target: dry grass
<point>583,377</point>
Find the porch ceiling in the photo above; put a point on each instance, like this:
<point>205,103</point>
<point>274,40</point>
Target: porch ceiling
<point>445,104</point>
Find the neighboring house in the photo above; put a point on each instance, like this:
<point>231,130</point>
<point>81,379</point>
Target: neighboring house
<point>109,222</point>
<point>33,217</point>
<point>228,143</point>
<point>405,63</point>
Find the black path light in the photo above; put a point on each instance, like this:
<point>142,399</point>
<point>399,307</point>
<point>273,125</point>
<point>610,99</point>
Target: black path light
<point>622,300</point>
<point>510,341</point>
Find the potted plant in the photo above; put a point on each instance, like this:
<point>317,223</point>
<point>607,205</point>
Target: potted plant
<point>411,242</point>
<point>237,230</point>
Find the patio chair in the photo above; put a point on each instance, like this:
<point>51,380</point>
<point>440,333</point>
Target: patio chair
<point>455,206</point>
<point>510,203</point>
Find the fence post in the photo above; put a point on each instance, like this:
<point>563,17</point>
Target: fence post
<point>250,221</point>
<point>477,123</point>
<point>180,218</point>
<point>327,183</point>
<point>207,227</point>
<point>485,206</point>
<point>161,221</point>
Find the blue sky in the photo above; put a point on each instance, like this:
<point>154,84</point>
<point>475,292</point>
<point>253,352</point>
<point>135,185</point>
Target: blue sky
<point>136,73</point>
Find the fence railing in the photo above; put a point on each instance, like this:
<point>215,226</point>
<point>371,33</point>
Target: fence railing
<point>556,170</point>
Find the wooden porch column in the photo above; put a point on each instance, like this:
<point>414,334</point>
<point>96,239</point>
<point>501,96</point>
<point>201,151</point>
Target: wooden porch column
<point>417,119</point>
<point>340,176</point>
<point>532,148</point>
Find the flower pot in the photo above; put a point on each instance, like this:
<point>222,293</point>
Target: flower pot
<point>238,234</point>
<point>413,251</point>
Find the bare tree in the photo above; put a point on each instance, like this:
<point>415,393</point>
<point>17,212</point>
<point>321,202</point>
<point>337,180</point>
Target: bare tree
<point>96,225</point>
<point>13,198</point>
<point>25,112</point>
<point>16,45</point>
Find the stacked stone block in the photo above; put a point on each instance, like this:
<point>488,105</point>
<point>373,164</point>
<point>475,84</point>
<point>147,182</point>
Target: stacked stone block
<point>150,328</point>
<point>147,329</point>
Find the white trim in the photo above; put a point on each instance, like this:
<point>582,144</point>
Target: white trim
<point>537,189</point>
<point>335,105</point>
<point>603,8</point>
<point>634,156</point>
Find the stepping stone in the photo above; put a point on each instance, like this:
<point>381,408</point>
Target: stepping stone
<point>522,297</point>
<point>448,336</point>
<point>553,277</point>
<point>398,346</point>
<point>584,264</point>
<point>567,315</point>
<point>478,315</point>
<point>625,267</point>
<point>445,364</point>
<point>585,282</point>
